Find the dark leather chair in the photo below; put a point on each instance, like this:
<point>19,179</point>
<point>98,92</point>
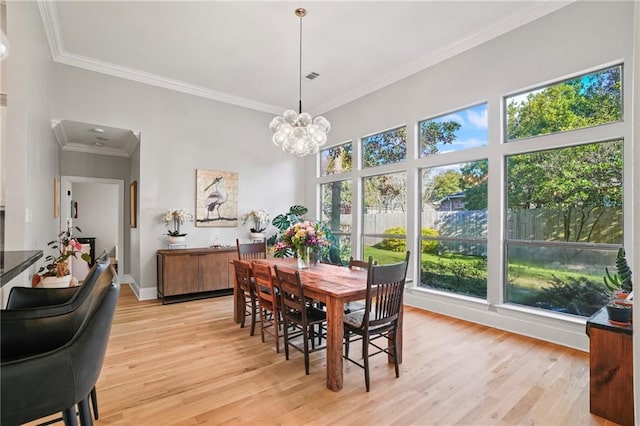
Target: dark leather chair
<point>380,318</point>
<point>54,381</point>
<point>38,330</point>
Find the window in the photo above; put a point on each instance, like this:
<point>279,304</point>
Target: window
<point>564,225</point>
<point>336,213</point>
<point>454,228</point>
<point>385,217</point>
<point>463,129</point>
<point>585,101</point>
<point>336,159</point>
<point>384,148</point>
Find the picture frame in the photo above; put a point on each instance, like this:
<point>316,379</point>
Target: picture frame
<point>133,204</point>
<point>56,197</point>
<point>216,198</point>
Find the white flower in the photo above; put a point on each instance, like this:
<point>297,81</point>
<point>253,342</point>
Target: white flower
<point>177,218</point>
<point>260,219</point>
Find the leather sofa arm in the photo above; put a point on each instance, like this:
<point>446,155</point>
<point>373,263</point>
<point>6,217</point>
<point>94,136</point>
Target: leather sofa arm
<point>25,297</point>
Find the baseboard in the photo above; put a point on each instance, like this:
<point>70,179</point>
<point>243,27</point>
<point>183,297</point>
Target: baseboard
<point>552,328</point>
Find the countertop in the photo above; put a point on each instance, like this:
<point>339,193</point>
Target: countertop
<point>601,320</point>
<point>12,263</point>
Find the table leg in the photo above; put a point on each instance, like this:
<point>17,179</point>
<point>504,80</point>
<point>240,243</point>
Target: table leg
<point>335,334</point>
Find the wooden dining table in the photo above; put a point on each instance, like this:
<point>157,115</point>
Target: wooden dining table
<point>334,286</point>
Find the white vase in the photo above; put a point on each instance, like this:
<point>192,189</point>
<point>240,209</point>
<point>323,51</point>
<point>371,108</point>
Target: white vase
<point>55,282</point>
<point>176,240</point>
<point>257,236</point>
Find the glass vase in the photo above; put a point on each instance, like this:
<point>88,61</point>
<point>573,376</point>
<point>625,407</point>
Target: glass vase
<point>302,254</point>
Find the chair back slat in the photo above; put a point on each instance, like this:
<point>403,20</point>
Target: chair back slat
<point>290,286</point>
<point>385,289</point>
<point>361,264</point>
<point>264,284</point>
<point>251,251</point>
<point>243,275</point>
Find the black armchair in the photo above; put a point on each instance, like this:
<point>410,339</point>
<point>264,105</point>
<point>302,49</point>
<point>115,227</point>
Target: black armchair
<point>46,383</point>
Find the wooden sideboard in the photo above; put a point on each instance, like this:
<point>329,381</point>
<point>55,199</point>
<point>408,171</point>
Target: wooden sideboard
<point>187,274</point>
<point>611,369</point>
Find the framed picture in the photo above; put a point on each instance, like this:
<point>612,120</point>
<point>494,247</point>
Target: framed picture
<point>133,204</point>
<point>56,197</point>
<point>216,198</point>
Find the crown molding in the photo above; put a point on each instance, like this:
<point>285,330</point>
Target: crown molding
<point>58,131</point>
<point>76,147</point>
<point>59,55</point>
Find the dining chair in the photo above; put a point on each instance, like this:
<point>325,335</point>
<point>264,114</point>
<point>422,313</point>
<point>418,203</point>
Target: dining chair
<point>361,265</point>
<point>251,251</point>
<point>380,318</point>
<point>244,278</point>
<point>268,302</point>
<point>299,316</point>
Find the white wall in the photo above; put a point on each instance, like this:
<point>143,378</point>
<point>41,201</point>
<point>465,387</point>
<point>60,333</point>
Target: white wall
<point>576,38</point>
<point>182,133</point>
<point>30,154</point>
<point>97,208</point>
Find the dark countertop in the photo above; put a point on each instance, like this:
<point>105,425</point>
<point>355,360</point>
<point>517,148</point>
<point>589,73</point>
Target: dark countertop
<point>601,320</point>
<point>12,263</point>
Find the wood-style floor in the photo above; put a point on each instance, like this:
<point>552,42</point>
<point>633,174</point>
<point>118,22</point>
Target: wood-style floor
<point>188,363</point>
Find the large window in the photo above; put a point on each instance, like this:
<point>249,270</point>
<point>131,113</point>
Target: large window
<point>584,101</point>
<point>336,213</point>
<point>453,237</point>
<point>336,159</point>
<point>384,148</point>
<point>385,217</point>
<point>463,129</point>
<point>564,225</point>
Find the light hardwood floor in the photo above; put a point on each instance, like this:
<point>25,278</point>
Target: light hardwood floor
<point>188,363</point>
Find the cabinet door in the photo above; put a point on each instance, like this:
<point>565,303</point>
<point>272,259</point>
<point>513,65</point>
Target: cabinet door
<point>214,272</point>
<point>180,274</point>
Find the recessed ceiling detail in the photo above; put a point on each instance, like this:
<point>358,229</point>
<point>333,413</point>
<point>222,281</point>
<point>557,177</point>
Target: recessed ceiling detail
<point>83,137</point>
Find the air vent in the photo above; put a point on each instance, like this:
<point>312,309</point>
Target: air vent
<point>312,75</point>
<point>100,138</point>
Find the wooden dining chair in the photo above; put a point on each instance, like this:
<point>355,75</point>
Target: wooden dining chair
<point>268,302</point>
<point>252,251</point>
<point>299,316</point>
<point>363,265</point>
<point>244,278</point>
<point>380,318</point>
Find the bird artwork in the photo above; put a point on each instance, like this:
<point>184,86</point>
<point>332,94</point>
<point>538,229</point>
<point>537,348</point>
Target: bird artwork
<point>216,198</point>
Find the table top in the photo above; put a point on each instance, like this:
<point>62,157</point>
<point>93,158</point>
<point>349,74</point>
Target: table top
<point>332,280</point>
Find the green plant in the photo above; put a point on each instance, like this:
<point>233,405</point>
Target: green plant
<point>400,245</point>
<point>64,247</point>
<point>622,279</point>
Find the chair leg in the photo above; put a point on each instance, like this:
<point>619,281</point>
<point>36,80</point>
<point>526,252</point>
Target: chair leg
<point>253,316</point>
<point>305,335</point>
<point>365,359</point>
<point>94,402</point>
<point>85,412</point>
<point>244,310</point>
<point>347,340</point>
<point>276,326</point>
<point>395,354</point>
<point>286,338</point>
<point>69,416</point>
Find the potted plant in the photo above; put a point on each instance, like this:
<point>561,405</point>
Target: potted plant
<point>260,220</point>
<point>175,218</point>
<point>620,289</point>
<point>56,272</point>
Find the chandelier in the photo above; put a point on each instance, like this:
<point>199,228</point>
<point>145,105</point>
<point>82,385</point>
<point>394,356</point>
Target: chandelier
<point>298,133</point>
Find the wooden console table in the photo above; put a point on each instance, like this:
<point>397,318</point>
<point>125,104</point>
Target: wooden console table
<point>188,274</point>
<point>611,369</point>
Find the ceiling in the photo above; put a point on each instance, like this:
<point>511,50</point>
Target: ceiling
<point>247,53</point>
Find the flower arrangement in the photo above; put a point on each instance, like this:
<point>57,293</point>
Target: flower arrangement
<point>260,220</point>
<point>176,218</point>
<point>65,247</point>
<point>300,236</point>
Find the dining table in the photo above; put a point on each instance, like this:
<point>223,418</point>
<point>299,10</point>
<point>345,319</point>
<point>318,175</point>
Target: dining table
<point>334,286</point>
